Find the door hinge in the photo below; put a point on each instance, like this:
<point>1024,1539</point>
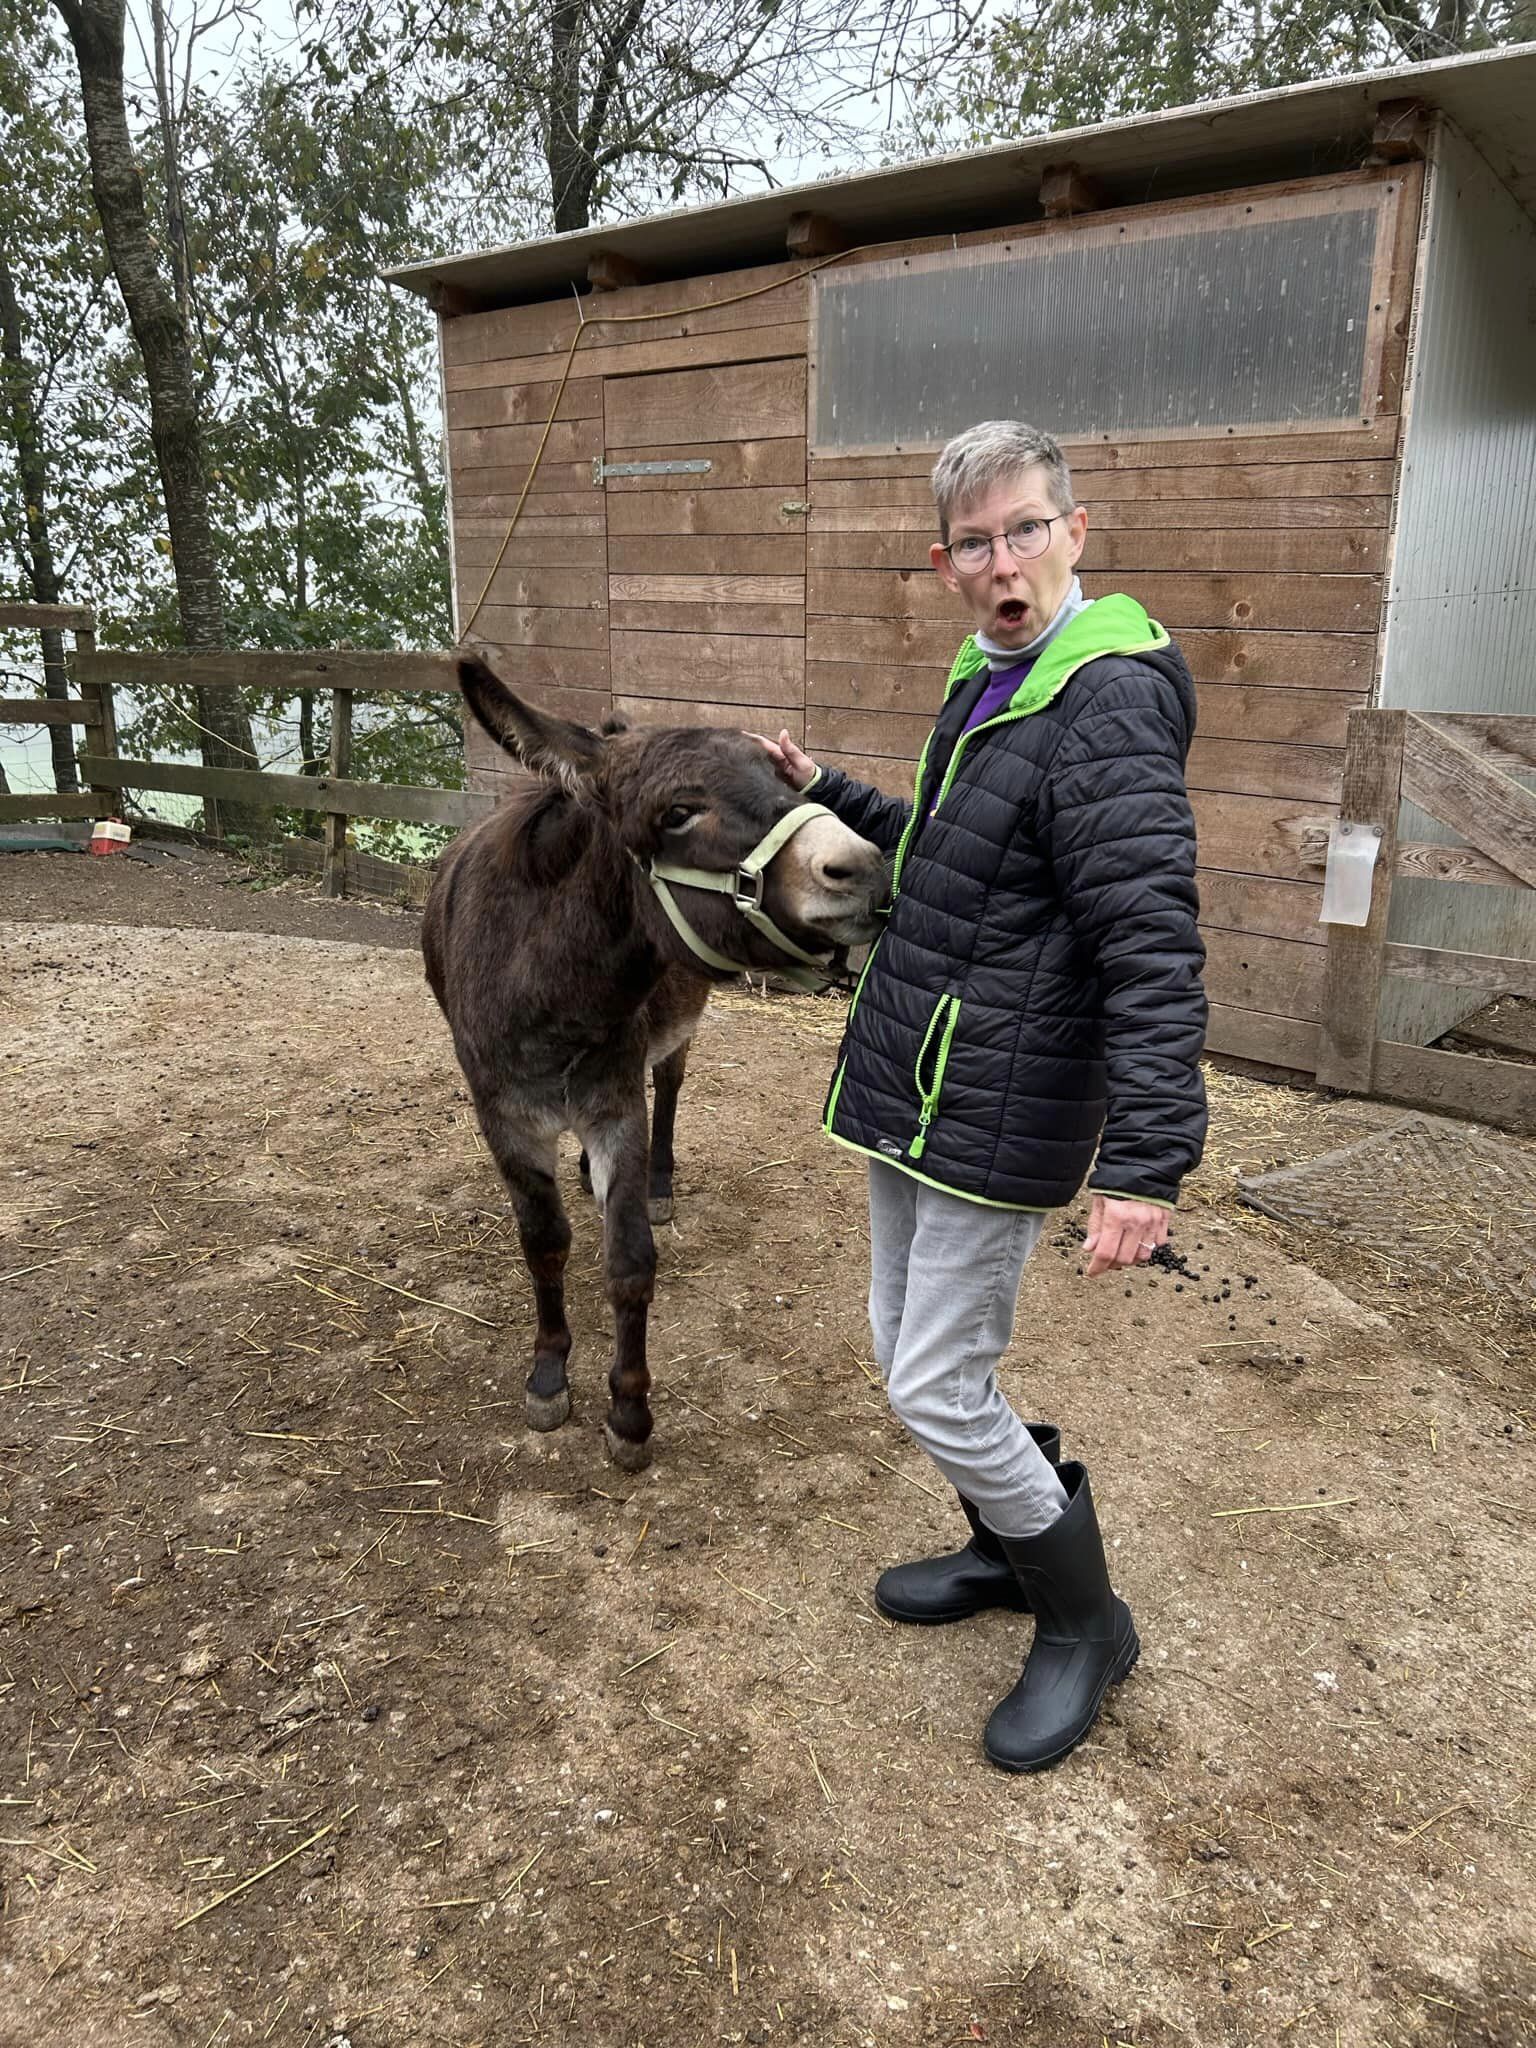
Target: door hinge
<point>793,507</point>
<point>694,466</point>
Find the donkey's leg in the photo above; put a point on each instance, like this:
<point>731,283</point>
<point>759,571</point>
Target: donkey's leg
<point>619,1155</point>
<point>526,1157</point>
<point>584,1168</point>
<point>667,1075</point>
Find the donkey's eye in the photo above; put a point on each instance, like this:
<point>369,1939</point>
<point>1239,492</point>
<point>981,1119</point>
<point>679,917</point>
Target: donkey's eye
<point>678,816</point>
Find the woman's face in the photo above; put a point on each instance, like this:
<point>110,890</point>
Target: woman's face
<point>1010,600</point>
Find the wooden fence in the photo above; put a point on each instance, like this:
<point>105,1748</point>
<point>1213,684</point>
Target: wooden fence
<point>342,672</point>
<point>1460,768</point>
<point>90,706</point>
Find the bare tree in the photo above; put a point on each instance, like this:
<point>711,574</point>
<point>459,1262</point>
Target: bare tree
<point>631,104</point>
<point>160,330</point>
<point>656,98</point>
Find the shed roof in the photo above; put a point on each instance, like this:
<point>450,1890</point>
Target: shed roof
<point>1289,132</point>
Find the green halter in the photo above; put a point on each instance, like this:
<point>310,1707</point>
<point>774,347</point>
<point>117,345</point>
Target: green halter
<point>744,885</point>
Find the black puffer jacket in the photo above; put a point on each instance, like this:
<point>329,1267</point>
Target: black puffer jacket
<point>1038,980</point>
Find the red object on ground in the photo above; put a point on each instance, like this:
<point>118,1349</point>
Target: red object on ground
<point>109,835</point>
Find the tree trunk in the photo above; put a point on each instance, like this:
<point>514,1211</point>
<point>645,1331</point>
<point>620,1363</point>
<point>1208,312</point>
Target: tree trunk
<point>26,436</point>
<point>574,139</point>
<point>96,30</point>
<point>571,172</point>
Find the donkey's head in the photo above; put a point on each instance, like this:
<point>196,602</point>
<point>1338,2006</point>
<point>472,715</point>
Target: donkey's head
<point>690,797</point>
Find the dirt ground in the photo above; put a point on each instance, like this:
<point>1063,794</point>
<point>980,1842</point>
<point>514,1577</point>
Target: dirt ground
<point>337,1708</point>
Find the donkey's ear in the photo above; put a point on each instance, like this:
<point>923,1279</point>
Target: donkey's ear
<point>552,747</point>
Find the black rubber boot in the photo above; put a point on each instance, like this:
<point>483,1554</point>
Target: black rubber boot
<point>964,1582</point>
<point>1085,1640</point>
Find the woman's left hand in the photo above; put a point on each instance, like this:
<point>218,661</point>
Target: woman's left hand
<point>1123,1233</point>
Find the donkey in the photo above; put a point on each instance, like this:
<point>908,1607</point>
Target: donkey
<point>566,964</point>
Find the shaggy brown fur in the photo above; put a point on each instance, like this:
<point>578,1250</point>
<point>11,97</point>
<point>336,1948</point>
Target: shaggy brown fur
<point>563,982</point>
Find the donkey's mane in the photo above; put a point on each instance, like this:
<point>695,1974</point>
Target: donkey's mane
<point>547,829</point>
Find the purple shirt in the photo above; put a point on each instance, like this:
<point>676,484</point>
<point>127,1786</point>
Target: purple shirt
<point>993,699</point>
<point>995,696</point>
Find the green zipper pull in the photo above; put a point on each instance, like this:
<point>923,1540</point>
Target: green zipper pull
<point>947,1013</point>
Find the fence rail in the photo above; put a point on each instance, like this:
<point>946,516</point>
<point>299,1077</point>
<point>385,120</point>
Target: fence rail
<point>405,802</point>
<point>18,810</point>
<point>44,711</point>
<point>344,672</point>
<point>49,618</point>
<point>347,668</point>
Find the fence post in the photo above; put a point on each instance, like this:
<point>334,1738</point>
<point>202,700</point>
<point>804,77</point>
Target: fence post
<point>1372,792</point>
<point>101,725</point>
<point>334,872</point>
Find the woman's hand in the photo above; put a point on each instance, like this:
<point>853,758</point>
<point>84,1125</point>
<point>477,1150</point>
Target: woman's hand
<point>1122,1233</point>
<point>790,763</point>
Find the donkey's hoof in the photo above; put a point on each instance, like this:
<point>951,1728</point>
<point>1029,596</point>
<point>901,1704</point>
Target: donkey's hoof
<point>548,1411</point>
<point>660,1208</point>
<point>625,1452</point>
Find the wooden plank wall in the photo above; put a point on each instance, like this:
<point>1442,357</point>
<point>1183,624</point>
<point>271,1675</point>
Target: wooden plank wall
<point>1263,557</point>
<point>681,598</point>
<point>650,595</point>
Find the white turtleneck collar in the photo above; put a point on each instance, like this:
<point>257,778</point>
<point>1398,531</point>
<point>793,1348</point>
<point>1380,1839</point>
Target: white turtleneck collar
<point>999,658</point>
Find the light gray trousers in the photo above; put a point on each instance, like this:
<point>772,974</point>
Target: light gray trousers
<point>944,1285</point>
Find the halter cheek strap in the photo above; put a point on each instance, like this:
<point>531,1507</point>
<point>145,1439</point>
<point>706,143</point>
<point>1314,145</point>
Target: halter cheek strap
<point>745,886</point>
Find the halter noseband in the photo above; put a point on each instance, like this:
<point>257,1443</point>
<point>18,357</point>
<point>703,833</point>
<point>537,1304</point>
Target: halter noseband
<point>744,884</point>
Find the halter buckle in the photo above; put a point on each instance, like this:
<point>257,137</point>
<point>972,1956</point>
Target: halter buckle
<point>747,890</point>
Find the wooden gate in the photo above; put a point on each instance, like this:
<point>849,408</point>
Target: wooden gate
<point>1460,768</point>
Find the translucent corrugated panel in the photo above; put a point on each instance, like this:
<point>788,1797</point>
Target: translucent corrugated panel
<point>1227,317</point>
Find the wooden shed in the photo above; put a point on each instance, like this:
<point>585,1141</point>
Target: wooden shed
<point>1289,344</point>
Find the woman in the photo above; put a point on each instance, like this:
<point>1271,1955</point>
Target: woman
<point>1032,1010</point>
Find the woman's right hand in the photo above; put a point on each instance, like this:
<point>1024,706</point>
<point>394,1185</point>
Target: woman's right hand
<point>791,763</point>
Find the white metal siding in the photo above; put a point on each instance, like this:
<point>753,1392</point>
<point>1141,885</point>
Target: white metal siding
<point>1461,606</point>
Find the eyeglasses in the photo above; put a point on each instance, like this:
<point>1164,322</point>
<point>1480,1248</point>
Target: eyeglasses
<point>1031,537</point>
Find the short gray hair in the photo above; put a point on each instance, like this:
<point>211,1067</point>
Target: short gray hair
<point>985,455</point>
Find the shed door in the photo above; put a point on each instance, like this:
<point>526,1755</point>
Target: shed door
<point>706,566</point>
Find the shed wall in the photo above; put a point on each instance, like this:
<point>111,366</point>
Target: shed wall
<point>648,589</point>
<point>782,590</point>
<point>1461,609</point>
<point>1267,570</point>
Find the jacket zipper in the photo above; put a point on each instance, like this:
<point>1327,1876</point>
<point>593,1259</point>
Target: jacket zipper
<point>858,987</point>
<point>1008,718</point>
<point>941,1025</point>
<point>912,821</point>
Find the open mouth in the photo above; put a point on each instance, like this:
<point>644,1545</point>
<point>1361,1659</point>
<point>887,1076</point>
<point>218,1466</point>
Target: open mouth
<point>1012,612</point>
